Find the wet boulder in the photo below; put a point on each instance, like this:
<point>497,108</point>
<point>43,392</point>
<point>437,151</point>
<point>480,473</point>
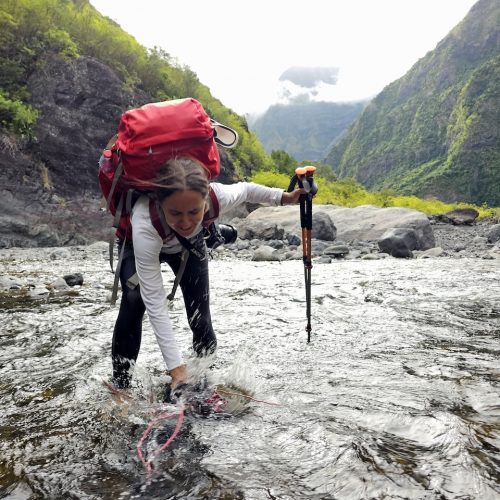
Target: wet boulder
<point>9,283</point>
<point>293,239</point>
<point>58,285</point>
<point>75,279</point>
<point>399,242</point>
<point>336,251</point>
<point>432,252</point>
<point>265,253</point>
<point>494,234</point>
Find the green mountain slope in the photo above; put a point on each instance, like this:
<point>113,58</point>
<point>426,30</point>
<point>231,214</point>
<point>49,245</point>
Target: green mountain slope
<point>34,33</point>
<point>305,131</point>
<point>435,131</point>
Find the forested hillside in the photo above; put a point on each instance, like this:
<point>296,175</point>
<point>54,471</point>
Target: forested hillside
<point>435,131</point>
<point>67,73</point>
<point>306,131</point>
<point>34,32</point>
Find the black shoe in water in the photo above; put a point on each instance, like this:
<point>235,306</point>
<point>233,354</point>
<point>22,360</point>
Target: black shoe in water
<point>185,391</point>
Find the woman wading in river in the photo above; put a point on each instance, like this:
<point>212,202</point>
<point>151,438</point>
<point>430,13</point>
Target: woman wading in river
<point>185,197</point>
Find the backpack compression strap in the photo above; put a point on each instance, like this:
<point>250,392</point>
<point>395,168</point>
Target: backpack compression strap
<point>128,208</point>
<point>213,208</point>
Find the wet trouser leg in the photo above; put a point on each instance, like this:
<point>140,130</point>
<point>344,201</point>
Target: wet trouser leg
<point>195,288</point>
<point>127,333</point>
<point>128,328</point>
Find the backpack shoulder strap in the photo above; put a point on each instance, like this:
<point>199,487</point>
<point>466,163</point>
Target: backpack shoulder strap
<point>158,220</point>
<point>213,208</point>
<point>166,232</point>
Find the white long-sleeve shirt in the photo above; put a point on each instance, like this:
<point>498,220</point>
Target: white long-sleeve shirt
<point>148,244</point>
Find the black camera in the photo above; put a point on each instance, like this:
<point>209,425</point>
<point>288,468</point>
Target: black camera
<point>217,235</point>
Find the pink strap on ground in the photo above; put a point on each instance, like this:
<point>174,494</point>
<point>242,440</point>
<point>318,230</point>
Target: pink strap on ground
<point>148,463</point>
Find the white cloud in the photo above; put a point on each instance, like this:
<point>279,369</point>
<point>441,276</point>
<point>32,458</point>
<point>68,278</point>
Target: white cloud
<point>240,49</point>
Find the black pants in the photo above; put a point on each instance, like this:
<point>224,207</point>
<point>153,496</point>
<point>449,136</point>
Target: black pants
<point>128,327</point>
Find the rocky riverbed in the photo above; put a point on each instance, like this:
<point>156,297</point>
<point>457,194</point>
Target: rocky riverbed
<point>479,240</point>
<point>364,232</point>
<point>273,234</point>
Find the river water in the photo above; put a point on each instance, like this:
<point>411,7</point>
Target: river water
<point>396,396</point>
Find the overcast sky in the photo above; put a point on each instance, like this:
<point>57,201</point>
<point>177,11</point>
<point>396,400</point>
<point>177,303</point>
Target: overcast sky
<point>241,49</point>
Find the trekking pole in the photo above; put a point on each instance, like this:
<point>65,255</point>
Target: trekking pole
<point>304,178</point>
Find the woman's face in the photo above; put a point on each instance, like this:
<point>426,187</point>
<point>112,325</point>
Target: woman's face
<point>184,211</point>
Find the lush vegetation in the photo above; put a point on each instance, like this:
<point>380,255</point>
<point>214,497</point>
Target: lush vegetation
<point>349,193</point>
<point>435,131</point>
<point>33,30</point>
<point>305,130</point>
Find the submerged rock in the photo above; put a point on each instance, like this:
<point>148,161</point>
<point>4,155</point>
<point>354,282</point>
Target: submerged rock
<point>75,279</point>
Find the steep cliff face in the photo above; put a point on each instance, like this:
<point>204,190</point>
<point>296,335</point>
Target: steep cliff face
<point>48,187</point>
<point>81,102</point>
<point>50,194</point>
<point>435,131</point>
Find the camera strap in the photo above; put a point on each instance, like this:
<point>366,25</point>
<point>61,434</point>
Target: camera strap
<point>188,248</point>
<point>178,276</point>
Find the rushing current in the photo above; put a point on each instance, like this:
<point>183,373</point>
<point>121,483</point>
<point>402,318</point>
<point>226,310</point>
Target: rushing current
<point>397,396</point>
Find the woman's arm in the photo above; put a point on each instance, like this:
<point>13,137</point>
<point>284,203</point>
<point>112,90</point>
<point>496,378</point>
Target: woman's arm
<point>147,247</point>
<point>293,197</point>
<point>232,195</point>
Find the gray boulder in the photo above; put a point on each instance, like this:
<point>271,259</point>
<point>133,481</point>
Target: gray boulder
<point>369,223</point>
<point>494,234</point>
<point>459,216</point>
<point>363,223</point>
<point>288,218</point>
<point>293,239</point>
<point>265,253</point>
<point>323,227</point>
<point>336,251</point>
<point>249,229</point>
<point>399,242</point>
<point>9,283</point>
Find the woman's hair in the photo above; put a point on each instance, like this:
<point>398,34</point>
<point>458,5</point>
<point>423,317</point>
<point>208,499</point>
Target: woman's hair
<point>181,174</point>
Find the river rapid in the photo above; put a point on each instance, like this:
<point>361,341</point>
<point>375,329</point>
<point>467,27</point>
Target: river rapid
<point>397,396</point>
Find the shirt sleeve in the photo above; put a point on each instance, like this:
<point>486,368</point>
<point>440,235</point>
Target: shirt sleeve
<point>232,195</point>
<point>147,246</point>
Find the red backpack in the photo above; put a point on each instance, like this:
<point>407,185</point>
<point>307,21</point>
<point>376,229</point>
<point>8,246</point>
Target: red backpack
<point>147,137</point>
